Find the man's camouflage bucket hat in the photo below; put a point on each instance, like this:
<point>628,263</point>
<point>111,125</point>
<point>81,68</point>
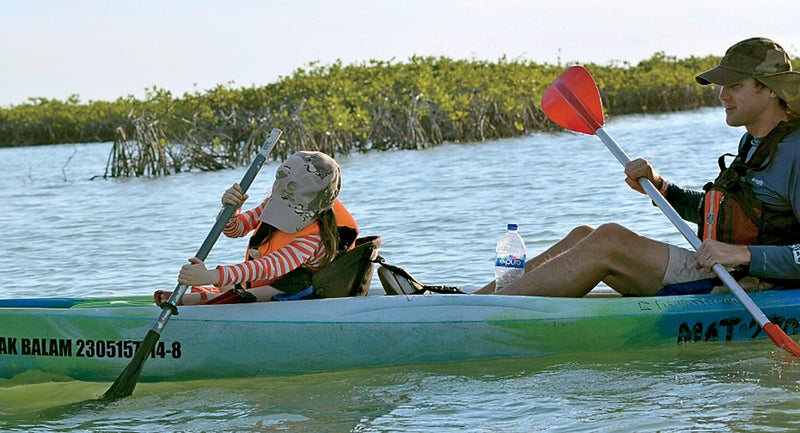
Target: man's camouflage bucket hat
<point>762,59</point>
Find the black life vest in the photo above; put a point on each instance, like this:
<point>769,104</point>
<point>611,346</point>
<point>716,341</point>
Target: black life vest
<point>731,213</point>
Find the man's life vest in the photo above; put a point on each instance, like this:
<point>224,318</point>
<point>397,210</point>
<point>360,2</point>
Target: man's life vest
<point>261,245</point>
<point>730,211</point>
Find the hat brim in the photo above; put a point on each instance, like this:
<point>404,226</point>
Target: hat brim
<point>787,86</point>
<point>284,216</point>
<point>721,76</point>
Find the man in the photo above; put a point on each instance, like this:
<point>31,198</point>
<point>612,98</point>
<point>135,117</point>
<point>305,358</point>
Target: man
<point>750,215</point>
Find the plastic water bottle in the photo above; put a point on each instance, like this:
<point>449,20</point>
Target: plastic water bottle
<point>509,265</point>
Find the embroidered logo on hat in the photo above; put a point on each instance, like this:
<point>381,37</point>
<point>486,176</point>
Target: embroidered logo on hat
<point>306,184</point>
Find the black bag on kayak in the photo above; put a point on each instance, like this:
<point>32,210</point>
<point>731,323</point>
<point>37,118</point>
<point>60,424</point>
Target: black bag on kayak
<point>396,281</point>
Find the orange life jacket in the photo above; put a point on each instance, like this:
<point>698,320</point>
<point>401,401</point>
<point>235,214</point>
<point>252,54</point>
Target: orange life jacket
<point>730,211</point>
<point>348,232</point>
<point>726,219</point>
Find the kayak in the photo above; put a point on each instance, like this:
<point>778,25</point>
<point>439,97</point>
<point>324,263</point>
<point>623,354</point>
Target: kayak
<point>93,339</point>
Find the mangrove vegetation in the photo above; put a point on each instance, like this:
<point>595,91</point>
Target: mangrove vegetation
<point>338,109</point>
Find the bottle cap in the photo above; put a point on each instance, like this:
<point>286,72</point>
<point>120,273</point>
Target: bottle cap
<point>512,226</point>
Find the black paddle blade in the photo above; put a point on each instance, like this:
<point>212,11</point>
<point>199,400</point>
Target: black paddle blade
<point>573,101</point>
<point>126,382</point>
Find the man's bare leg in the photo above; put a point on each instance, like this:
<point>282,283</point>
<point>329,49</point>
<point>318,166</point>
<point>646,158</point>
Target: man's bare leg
<point>626,261</point>
<point>576,235</point>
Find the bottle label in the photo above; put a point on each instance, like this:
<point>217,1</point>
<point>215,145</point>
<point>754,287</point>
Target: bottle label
<point>510,261</point>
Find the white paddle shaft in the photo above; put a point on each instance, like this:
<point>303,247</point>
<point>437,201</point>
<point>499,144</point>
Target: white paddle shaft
<point>684,228</point>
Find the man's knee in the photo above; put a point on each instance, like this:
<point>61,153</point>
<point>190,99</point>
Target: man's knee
<point>607,241</point>
<point>612,231</point>
<point>581,231</point>
<point>611,237</point>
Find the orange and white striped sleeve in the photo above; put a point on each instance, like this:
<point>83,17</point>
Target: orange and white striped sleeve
<point>305,250</point>
<point>243,223</point>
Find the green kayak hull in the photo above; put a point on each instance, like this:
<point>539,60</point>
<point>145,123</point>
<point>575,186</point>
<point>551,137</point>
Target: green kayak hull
<point>94,339</point>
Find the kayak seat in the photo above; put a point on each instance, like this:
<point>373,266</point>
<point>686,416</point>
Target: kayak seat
<point>350,274</point>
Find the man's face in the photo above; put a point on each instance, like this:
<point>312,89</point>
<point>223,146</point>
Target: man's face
<point>745,104</point>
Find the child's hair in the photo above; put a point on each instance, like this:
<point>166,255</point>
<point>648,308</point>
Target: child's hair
<point>329,233</point>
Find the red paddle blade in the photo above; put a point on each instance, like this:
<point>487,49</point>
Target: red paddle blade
<point>573,101</point>
<point>780,338</point>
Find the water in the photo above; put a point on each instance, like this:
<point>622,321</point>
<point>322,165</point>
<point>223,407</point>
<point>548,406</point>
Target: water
<point>67,235</point>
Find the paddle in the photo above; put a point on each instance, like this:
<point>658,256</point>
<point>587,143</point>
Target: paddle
<point>126,382</point>
<point>573,101</point>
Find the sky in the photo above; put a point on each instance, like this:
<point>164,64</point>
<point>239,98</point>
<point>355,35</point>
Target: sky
<point>106,49</point>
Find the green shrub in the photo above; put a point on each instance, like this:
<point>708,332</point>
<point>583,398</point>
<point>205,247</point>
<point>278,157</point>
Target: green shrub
<point>337,109</point>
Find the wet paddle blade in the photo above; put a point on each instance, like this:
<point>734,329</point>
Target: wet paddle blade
<point>126,382</point>
<point>781,339</point>
<point>573,101</point>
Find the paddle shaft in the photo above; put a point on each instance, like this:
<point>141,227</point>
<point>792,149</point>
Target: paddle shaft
<point>684,228</point>
<point>219,225</point>
<point>126,382</point>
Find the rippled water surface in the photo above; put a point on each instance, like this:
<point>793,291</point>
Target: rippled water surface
<point>440,212</point>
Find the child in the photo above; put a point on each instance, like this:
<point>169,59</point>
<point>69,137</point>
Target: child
<point>297,230</point>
